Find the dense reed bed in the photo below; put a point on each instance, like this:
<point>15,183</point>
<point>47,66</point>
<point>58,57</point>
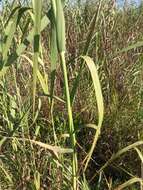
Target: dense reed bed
<point>71,95</point>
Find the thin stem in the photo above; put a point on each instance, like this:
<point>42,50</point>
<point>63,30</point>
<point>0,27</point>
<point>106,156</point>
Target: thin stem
<point>70,120</point>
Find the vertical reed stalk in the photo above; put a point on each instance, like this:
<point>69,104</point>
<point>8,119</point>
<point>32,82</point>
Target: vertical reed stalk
<point>37,7</point>
<point>58,13</point>
<point>70,120</point>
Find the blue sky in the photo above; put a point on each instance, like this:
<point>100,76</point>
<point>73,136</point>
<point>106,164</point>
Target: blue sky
<point>121,2</point>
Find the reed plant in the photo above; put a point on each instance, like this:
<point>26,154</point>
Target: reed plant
<point>51,90</point>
